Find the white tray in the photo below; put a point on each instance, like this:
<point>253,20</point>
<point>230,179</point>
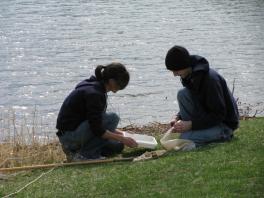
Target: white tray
<point>145,141</point>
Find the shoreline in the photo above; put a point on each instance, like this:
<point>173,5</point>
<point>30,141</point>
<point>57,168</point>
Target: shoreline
<point>17,152</point>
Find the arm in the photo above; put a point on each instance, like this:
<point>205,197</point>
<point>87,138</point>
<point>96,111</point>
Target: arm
<point>95,106</point>
<point>175,119</point>
<point>182,126</point>
<point>120,132</point>
<point>118,137</point>
<point>213,112</point>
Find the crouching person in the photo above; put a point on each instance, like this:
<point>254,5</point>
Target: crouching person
<point>85,130</point>
<point>207,109</point>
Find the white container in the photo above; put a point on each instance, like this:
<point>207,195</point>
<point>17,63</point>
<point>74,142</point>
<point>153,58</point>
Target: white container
<point>145,141</point>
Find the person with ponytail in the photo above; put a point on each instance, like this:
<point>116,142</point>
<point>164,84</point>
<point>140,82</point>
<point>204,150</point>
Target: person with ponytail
<point>85,130</point>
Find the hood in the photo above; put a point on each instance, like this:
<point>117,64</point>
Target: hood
<point>92,81</point>
<point>200,66</point>
<point>199,63</point>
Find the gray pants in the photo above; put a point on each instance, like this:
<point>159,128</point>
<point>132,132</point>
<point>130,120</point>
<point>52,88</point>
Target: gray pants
<point>84,142</point>
<point>188,105</point>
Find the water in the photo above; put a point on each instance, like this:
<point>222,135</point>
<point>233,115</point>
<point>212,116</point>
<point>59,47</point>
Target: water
<point>47,47</point>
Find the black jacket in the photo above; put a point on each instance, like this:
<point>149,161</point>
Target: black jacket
<point>86,102</point>
<point>212,93</point>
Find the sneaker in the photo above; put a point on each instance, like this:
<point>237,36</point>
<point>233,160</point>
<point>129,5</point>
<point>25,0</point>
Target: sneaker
<point>69,157</point>
<point>69,154</point>
<point>112,148</point>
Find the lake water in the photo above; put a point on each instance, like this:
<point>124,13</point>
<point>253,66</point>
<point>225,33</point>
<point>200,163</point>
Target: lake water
<point>47,47</point>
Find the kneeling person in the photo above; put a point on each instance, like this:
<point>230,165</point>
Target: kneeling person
<point>207,109</point>
<point>85,130</point>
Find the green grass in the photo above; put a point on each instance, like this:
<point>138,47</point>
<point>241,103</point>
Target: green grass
<point>234,169</point>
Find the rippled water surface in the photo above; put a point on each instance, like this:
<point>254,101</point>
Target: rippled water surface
<point>47,47</point>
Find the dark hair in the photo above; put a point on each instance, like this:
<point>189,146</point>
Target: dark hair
<point>177,58</point>
<point>116,71</point>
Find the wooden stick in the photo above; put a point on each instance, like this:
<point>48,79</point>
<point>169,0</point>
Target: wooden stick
<point>65,164</point>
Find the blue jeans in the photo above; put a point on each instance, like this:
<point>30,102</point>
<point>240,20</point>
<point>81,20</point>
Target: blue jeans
<point>83,141</point>
<point>188,105</point>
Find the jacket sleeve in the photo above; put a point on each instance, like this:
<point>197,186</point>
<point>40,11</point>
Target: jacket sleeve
<point>178,115</point>
<point>214,108</point>
<point>95,107</point>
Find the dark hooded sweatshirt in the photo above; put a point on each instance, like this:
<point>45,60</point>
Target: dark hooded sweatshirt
<point>210,90</point>
<point>86,102</point>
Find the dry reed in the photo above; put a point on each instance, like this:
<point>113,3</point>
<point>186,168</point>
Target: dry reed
<point>20,145</point>
<point>23,144</point>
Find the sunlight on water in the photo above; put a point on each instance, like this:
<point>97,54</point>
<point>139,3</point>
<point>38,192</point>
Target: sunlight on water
<point>47,47</point>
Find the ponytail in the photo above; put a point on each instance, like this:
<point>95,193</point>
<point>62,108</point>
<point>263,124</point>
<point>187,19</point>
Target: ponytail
<point>116,71</point>
<point>99,72</point>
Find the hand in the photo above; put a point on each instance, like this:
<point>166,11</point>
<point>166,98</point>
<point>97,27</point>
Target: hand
<point>119,132</point>
<point>130,142</point>
<point>174,120</point>
<point>181,126</point>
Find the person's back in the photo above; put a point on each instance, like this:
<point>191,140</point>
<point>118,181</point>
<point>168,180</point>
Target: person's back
<point>212,92</point>
<point>80,103</point>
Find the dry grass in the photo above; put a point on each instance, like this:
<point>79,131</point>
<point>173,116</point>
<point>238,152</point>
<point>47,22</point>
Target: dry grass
<point>155,129</point>
<point>15,155</point>
<point>21,145</point>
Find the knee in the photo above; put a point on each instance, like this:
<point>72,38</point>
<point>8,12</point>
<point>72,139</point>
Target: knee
<point>183,94</point>
<point>114,117</point>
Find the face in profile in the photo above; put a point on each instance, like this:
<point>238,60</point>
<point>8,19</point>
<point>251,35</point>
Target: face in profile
<point>182,73</point>
<point>113,86</point>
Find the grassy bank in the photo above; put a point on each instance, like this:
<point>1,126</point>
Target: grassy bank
<point>234,169</point>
